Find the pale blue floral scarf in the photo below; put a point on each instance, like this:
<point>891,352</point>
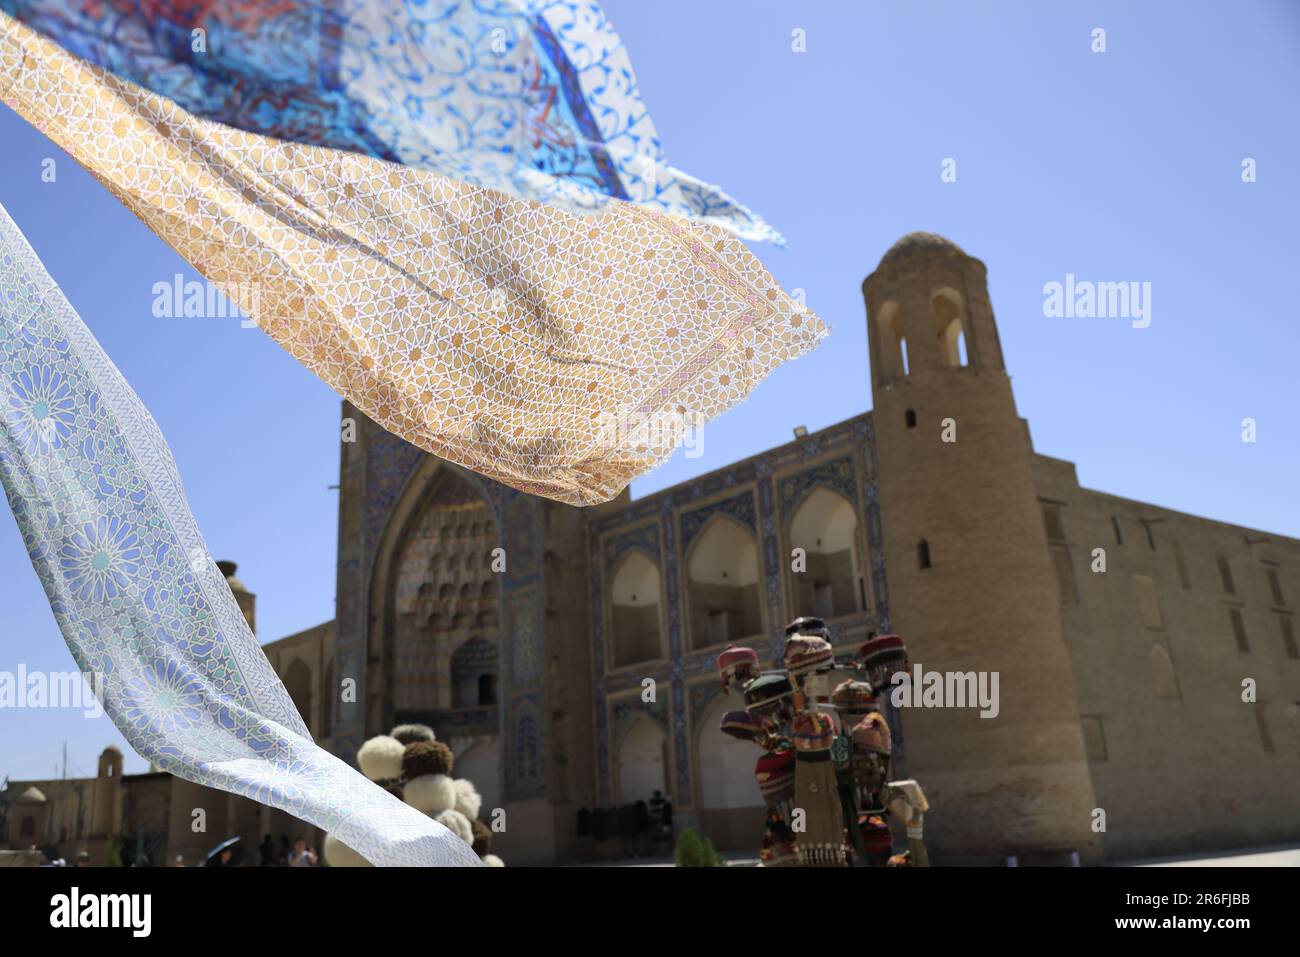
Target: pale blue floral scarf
<point>102,513</point>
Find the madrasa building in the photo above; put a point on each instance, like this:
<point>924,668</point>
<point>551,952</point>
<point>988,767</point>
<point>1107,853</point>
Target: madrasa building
<point>568,654</point>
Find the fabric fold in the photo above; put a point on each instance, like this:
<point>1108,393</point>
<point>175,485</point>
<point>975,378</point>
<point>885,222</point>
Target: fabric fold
<point>140,603</point>
<point>560,354</point>
<point>533,97</point>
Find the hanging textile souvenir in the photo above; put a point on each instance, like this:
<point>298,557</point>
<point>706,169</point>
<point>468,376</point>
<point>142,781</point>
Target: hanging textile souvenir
<point>533,97</point>
<point>821,844</point>
<point>559,354</point>
<point>140,603</point>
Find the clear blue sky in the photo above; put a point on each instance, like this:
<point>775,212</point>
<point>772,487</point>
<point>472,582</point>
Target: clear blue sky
<point>1116,166</point>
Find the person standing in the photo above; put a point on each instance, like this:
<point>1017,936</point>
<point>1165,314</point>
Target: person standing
<point>301,855</point>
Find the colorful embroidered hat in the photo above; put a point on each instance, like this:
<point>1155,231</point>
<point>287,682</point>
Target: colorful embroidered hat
<point>780,848</point>
<point>883,655</point>
<point>742,725</point>
<point>774,773</point>
<point>808,625</point>
<point>768,689</point>
<point>736,666</point>
<point>872,734</point>
<point>805,653</point>
<point>854,698</point>
<point>813,731</point>
<point>875,834</point>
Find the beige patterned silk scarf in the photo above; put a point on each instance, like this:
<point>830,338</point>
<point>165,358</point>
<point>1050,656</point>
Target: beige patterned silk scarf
<point>563,355</point>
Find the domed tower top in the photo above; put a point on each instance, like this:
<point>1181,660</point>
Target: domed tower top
<point>919,242</point>
<point>928,311</point>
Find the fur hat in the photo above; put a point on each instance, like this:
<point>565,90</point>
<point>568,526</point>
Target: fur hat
<point>457,823</point>
<point>426,757</point>
<point>380,758</point>
<point>482,837</point>
<point>468,801</point>
<point>431,793</point>
<point>406,733</point>
<point>338,854</point>
<point>491,860</point>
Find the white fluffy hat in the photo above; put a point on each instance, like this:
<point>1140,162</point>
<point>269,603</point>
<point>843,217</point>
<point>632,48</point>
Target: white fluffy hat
<point>468,801</point>
<point>380,758</point>
<point>430,793</point>
<point>457,823</point>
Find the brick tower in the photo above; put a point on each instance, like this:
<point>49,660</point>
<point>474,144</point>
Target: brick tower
<point>971,585</point>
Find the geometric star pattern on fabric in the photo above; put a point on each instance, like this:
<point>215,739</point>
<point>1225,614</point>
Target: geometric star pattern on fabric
<point>99,503</point>
<point>562,355</point>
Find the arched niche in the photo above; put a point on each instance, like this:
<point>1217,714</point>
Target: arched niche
<point>421,559</point>
<point>724,765</point>
<point>642,761</point>
<point>634,601</point>
<point>473,674</point>
<point>892,342</point>
<point>722,584</point>
<point>832,584</point>
<point>950,327</point>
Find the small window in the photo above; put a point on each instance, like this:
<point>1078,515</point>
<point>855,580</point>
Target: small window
<point>1052,521</point>
<point>1287,628</point>
<point>923,554</point>
<point>1151,538</point>
<point>1225,575</point>
<point>487,689</point>
<point>1239,629</point>
<point>1275,586</point>
<point>1114,523</point>
<point>910,418</point>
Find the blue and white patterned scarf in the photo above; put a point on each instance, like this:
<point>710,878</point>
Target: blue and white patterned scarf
<point>102,513</point>
<point>533,97</point>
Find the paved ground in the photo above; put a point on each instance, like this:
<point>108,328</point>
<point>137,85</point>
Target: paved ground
<point>1246,857</point>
